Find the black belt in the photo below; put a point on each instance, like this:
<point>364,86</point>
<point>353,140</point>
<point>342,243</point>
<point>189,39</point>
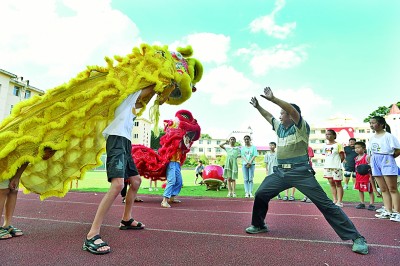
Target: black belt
<point>291,165</point>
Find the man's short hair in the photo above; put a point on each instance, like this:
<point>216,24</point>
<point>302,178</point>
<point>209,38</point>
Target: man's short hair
<point>295,106</point>
<point>274,143</point>
<point>352,139</point>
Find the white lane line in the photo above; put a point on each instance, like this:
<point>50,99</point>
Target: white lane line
<point>137,206</point>
<point>216,234</point>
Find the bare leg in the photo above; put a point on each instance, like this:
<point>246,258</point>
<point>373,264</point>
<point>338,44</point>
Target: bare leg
<point>9,207</point>
<point>116,186</point>
<point>229,186</point>
<point>387,199</point>
<point>340,191</point>
<point>233,186</point>
<point>333,190</point>
<point>391,182</point>
<point>3,198</point>
<point>130,197</point>
<point>371,198</point>
<point>362,199</point>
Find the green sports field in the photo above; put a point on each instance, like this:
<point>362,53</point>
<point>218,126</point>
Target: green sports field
<point>96,181</point>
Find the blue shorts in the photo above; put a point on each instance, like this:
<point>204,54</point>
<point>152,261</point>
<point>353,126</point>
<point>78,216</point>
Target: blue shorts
<point>119,158</point>
<point>383,164</point>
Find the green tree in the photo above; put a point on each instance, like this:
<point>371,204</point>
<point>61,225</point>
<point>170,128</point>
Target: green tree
<point>205,136</point>
<point>204,159</point>
<point>155,141</point>
<point>221,160</point>
<point>381,111</point>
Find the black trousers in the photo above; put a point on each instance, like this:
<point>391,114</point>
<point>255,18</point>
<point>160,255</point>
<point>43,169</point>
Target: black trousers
<point>302,178</point>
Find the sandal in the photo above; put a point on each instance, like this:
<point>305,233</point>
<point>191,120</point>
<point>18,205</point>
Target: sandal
<point>165,205</point>
<point>90,246</point>
<point>127,225</point>
<point>3,233</point>
<point>138,199</point>
<point>14,232</point>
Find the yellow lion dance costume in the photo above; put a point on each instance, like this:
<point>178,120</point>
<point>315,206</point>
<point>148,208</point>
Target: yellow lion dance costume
<point>70,118</point>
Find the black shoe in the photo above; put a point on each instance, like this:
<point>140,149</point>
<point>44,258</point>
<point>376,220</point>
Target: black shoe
<point>360,206</point>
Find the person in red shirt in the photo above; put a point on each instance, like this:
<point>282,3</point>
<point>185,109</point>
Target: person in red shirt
<point>363,176</point>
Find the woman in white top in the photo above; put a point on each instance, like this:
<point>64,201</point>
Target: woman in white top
<point>384,147</point>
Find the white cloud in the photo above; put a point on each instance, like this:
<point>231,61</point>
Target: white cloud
<point>207,47</point>
<point>55,40</point>
<point>226,84</point>
<point>279,56</point>
<point>268,25</point>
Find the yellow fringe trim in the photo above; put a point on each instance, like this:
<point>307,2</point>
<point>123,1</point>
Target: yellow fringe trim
<point>70,119</point>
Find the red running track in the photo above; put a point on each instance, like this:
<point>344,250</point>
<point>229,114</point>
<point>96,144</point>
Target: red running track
<point>198,231</point>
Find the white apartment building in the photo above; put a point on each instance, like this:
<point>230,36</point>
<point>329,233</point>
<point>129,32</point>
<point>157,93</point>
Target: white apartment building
<point>208,147</point>
<point>141,133</point>
<point>14,89</point>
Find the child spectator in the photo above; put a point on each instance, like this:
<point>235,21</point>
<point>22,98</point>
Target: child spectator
<point>384,148</point>
<point>363,176</point>
<point>334,156</point>
<point>271,161</point>
<point>199,172</point>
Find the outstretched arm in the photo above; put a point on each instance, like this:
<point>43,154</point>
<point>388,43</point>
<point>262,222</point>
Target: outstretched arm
<point>267,115</point>
<point>222,146</point>
<point>282,104</point>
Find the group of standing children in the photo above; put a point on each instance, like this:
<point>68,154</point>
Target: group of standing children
<point>378,165</point>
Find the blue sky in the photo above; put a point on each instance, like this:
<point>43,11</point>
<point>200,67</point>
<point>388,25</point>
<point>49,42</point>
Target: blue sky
<point>331,57</point>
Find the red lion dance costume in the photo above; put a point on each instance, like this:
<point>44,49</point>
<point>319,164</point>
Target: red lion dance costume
<point>151,164</point>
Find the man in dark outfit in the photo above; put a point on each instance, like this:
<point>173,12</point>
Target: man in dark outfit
<point>349,163</point>
<point>293,170</point>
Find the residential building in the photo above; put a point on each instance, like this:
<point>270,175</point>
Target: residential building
<point>207,147</point>
<point>14,89</point>
<point>141,133</point>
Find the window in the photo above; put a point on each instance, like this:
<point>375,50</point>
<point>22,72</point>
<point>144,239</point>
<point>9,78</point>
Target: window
<point>209,142</point>
<point>208,149</point>
<point>201,141</point>
<point>16,91</point>
<point>11,108</point>
<point>321,141</point>
<point>135,136</point>
<point>136,124</point>
<point>28,94</point>
<point>192,149</point>
<point>312,131</point>
<point>323,131</point>
<point>200,149</point>
<point>312,140</point>
<point>218,150</point>
<point>362,130</point>
<point>218,142</point>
